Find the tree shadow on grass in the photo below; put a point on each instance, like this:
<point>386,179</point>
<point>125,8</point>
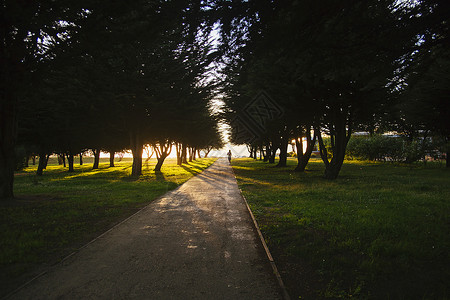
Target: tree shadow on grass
<point>160,176</point>
<point>130,178</point>
<point>193,170</point>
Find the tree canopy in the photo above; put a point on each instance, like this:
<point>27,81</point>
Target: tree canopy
<point>337,67</point>
<point>89,76</point>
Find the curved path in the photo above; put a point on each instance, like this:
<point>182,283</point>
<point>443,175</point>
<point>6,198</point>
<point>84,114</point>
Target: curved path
<point>196,242</point>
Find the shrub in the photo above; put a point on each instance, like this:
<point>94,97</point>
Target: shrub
<point>385,148</point>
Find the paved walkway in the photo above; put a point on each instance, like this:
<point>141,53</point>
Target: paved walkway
<point>196,242</point>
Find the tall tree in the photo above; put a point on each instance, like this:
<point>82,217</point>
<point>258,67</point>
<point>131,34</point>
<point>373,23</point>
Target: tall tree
<point>29,30</point>
<point>423,87</point>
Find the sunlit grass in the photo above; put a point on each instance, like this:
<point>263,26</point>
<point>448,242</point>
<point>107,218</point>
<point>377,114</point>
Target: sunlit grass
<point>379,231</point>
<point>60,211</point>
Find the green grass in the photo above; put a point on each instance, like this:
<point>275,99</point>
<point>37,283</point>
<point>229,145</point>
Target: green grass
<point>380,231</point>
<point>59,212</point>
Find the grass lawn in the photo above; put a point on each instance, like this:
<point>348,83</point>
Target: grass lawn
<point>59,212</point>
<point>380,231</point>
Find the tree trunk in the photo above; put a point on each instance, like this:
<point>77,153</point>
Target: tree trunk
<point>178,147</point>
<point>263,154</point>
<point>96,158</point>
<point>198,154</point>
<point>70,160</point>
<point>42,163</point>
<point>191,156</point>
<point>63,157</point>
<point>333,167</point>
<point>184,154</point>
<point>250,151</point>
<point>149,149</point>
<point>160,163</point>
<point>137,147</point>
<point>266,154</point>
<point>111,158</point>
<point>283,153</point>
<point>136,169</point>
<point>46,161</point>
<point>8,129</point>
<point>207,150</point>
<point>33,157</point>
<point>303,158</point>
<point>272,153</point>
<point>81,159</point>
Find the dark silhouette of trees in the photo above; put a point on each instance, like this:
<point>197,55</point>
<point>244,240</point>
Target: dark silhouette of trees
<point>78,76</point>
<point>422,109</point>
<point>333,66</point>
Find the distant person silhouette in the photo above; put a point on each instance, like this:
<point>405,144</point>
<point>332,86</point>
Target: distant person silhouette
<point>229,156</point>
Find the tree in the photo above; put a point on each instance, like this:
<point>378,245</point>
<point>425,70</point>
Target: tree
<point>162,149</point>
<point>423,107</point>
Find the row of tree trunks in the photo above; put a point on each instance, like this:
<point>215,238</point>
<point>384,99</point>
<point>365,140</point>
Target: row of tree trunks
<point>268,152</point>
<point>62,159</point>
<point>183,151</point>
<point>43,160</point>
<point>193,154</point>
<point>253,150</point>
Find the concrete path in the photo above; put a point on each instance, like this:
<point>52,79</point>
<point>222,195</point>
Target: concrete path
<point>196,242</point>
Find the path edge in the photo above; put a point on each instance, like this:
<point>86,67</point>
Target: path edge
<point>284,292</point>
